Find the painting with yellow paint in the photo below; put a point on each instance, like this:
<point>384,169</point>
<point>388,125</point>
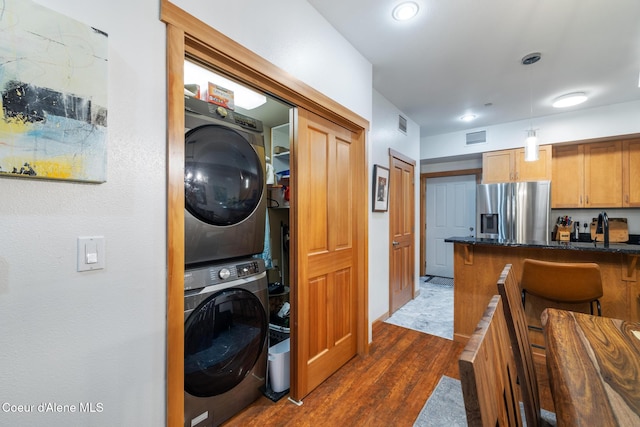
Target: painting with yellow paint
<point>53,93</point>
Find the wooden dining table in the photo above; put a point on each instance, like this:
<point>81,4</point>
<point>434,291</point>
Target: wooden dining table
<point>594,368</point>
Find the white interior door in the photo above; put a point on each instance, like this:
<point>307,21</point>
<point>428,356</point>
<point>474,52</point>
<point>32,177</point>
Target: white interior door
<point>451,210</point>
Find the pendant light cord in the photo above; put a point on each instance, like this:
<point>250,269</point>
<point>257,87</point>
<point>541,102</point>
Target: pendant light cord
<point>530,99</point>
<point>529,60</point>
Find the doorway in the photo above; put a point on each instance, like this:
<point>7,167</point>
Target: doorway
<point>423,206</point>
<point>187,37</point>
<point>450,208</point>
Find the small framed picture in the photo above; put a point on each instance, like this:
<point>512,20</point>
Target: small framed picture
<point>380,188</point>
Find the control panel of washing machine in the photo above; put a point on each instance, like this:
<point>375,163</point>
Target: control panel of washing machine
<point>224,273</point>
<point>201,277</point>
<point>248,269</point>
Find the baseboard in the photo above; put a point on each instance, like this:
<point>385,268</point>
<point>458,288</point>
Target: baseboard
<point>385,316</point>
<point>382,318</point>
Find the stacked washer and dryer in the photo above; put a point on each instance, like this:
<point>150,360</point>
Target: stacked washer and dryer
<point>226,293</point>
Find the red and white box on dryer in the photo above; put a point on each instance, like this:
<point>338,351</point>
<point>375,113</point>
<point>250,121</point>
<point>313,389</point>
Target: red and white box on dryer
<point>220,96</point>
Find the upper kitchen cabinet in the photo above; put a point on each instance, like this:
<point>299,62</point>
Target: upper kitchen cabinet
<point>587,175</point>
<point>540,170</point>
<point>497,166</point>
<point>567,180</point>
<point>510,166</point>
<point>602,174</point>
<point>630,173</point>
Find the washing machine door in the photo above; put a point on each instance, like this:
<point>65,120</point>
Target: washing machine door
<point>224,178</point>
<point>224,337</point>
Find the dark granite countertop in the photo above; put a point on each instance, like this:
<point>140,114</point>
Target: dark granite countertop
<point>622,248</point>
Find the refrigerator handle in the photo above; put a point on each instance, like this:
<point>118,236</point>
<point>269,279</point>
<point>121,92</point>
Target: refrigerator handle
<point>513,210</point>
<point>508,218</point>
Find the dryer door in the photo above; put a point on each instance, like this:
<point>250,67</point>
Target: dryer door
<point>224,337</point>
<point>224,179</point>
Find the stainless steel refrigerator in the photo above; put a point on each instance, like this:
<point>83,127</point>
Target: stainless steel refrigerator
<point>518,212</point>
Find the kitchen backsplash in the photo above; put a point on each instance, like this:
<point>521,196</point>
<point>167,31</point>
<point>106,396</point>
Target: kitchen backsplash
<point>587,215</point>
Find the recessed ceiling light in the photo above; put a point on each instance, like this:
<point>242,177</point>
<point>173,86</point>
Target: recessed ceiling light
<point>405,11</point>
<point>569,100</point>
<point>468,117</point>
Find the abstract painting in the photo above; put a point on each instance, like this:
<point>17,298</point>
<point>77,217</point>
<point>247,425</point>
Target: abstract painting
<point>53,90</point>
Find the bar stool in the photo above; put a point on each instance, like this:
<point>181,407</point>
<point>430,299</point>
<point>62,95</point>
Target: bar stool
<point>562,282</point>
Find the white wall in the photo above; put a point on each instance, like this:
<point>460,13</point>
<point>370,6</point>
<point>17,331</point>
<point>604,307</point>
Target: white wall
<point>612,120</point>
<point>98,337</point>
<point>618,119</point>
<point>587,215</point>
<point>69,337</point>
<point>384,135</point>
<point>292,35</point>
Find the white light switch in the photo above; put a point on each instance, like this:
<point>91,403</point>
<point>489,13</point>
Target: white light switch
<point>90,253</point>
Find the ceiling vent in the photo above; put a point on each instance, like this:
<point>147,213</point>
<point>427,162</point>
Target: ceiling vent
<point>477,137</point>
<point>402,124</point>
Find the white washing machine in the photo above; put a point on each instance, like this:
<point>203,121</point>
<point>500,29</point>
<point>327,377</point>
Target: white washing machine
<point>226,339</point>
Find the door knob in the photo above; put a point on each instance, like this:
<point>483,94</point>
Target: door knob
<point>394,243</point>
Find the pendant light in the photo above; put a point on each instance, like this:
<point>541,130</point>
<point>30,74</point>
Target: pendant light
<point>531,147</point>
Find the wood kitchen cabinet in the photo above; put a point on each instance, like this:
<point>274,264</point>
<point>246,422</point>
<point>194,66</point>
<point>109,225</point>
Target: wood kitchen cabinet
<point>510,166</point>
<point>567,178</point>
<point>497,166</point>
<point>602,174</point>
<point>478,265</point>
<point>587,175</point>
<point>631,173</point>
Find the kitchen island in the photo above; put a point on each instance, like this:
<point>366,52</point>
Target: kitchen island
<point>478,263</point>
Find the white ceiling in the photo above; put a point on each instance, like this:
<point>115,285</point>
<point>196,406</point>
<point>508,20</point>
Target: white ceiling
<point>464,56</point>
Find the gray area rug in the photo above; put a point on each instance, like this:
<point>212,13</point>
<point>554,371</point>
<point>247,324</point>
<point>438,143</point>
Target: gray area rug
<point>445,406</point>
<point>430,312</point>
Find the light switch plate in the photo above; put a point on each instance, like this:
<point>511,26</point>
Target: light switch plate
<point>91,254</point>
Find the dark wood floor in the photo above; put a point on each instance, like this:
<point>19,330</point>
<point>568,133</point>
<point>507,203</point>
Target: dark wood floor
<point>388,387</point>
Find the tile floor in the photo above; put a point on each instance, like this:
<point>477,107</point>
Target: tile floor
<point>431,311</point>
